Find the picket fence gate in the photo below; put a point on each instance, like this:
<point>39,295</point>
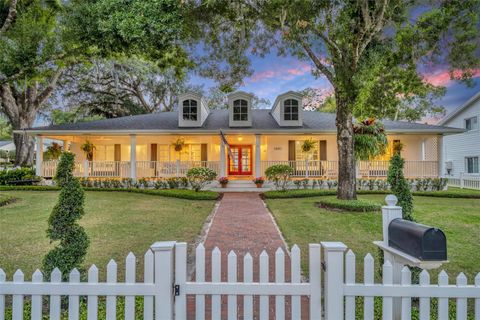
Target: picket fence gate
<point>165,288</point>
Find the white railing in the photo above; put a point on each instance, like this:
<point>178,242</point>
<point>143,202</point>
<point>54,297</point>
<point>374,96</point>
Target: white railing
<point>107,169</point>
<point>162,169</point>
<point>308,168</point>
<point>121,169</point>
<point>366,169</point>
<point>465,180</point>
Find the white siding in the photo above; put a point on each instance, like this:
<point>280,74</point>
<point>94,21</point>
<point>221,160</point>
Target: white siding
<point>458,146</point>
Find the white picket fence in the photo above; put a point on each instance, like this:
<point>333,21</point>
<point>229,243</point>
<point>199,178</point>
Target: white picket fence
<point>464,180</point>
<point>166,286</point>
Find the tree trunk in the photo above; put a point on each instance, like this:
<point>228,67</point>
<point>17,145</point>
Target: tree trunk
<point>345,143</point>
<point>25,149</point>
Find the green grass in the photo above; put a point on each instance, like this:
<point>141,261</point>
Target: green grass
<point>116,222</point>
<point>6,199</point>
<point>306,193</point>
<point>302,222</point>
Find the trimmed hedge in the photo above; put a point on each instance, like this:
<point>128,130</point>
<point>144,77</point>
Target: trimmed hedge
<point>307,193</point>
<point>172,193</point>
<point>350,205</point>
<point>4,200</point>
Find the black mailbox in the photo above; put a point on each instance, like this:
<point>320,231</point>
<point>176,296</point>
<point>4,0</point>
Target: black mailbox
<point>417,240</point>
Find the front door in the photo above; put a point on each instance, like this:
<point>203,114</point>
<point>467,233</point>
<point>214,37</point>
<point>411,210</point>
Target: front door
<point>241,163</point>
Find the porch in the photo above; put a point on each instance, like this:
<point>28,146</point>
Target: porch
<point>245,156</point>
<point>169,169</point>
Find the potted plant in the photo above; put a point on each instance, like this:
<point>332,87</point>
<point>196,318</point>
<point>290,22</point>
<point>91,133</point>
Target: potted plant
<point>308,145</point>
<point>88,148</point>
<point>223,181</point>
<point>259,181</point>
<point>179,144</point>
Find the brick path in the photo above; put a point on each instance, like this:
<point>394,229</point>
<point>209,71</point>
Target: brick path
<point>243,224</point>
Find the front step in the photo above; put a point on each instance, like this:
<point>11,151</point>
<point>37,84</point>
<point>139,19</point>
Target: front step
<point>239,186</point>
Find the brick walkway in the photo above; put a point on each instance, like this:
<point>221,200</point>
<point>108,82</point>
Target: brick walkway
<point>243,224</point>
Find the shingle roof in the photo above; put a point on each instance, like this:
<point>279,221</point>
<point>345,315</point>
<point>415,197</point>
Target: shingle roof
<point>262,121</point>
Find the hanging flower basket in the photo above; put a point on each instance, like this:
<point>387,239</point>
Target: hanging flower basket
<point>370,139</point>
<point>178,144</point>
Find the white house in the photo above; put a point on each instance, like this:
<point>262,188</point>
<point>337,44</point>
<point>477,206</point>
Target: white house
<point>461,152</point>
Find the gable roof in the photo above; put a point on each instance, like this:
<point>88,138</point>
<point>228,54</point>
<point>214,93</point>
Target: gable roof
<point>464,106</point>
<point>262,122</point>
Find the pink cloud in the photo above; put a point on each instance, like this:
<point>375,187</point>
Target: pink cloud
<point>299,69</point>
<point>442,77</point>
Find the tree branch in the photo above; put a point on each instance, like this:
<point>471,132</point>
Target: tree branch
<point>318,63</point>
<point>42,97</point>
<point>12,13</point>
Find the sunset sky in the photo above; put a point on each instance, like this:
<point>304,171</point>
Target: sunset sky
<point>274,75</point>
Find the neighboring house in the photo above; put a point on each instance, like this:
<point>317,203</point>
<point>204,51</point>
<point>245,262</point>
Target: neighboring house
<point>7,145</point>
<point>256,139</point>
<point>462,151</point>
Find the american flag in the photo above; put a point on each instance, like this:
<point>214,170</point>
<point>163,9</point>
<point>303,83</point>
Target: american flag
<point>222,136</point>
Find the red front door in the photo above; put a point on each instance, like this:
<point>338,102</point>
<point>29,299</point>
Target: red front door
<point>241,163</point>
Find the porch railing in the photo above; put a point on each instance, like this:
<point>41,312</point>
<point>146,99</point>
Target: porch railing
<point>301,169</point>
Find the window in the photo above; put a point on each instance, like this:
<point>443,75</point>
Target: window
<point>471,123</point>
<point>240,110</point>
<point>290,110</point>
<point>472,165</point>
<point>190,110</point>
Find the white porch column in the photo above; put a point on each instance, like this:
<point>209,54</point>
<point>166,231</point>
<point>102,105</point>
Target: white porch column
<point>133,156</point>
<point>39,155</point>
<point>258,156</point>
<point>66,145</point>
<point>441,157</point>
<point>422,150</point>
<point>222,158</point>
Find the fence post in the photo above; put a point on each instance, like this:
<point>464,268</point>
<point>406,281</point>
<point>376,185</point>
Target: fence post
<point>462,182</point>
<point>306,168</point>
<point>334,263</point>
<point>86,167</point>
<point>177,168</point>
<point>390,212</point>
<point>163,279</point>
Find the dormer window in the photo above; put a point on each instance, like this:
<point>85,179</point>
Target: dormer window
<point>290,107</point>
<point>190,110</point>
<point>240,110</point>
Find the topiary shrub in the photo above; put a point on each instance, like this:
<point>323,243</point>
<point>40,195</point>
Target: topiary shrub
<point>199,177</point>
<point>279,174</point>
<point>62,223</point>
<point>399,186</point>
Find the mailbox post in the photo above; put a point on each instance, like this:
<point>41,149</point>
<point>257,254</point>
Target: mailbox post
<point>414,237</point>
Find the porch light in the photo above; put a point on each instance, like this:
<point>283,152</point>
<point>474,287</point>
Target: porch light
<point>240,138</point>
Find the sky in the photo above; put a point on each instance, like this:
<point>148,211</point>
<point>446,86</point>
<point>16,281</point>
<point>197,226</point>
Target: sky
<point>274,75</point>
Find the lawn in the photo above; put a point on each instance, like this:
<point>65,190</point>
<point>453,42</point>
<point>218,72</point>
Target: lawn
<point>116,222</point>
<point>302,222</point>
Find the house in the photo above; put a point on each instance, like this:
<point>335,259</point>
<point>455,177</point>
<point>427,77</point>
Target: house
<point>462,151</point>
<point>168,144</point>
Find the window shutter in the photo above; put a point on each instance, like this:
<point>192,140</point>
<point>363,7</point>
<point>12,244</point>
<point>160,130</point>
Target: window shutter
<point>153,152</point>
<point>291,150</point>
<point>204,152</point>
<point>323,150</point>
<point>117,153</point>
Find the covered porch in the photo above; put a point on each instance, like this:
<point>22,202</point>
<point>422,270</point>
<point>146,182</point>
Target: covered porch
<point>249,156</point>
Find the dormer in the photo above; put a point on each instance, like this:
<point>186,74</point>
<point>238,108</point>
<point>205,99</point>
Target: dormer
<point>287,109</point>
<point>240,109</point>
<point>192,110</point>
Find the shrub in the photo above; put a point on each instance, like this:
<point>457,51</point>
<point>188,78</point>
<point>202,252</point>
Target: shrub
<point>279,174</point>
<point>173,183</point>
<point>399,186</point>
<point>350,205</point>
<point>17,175</point>
<point>200,177</point>
<point>62,223</point>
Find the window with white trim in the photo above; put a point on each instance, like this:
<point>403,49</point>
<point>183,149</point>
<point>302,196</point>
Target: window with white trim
<point>471,123</point>
<point>240,110</point>
<point>290,110</point>
<point>471,164</point>
<point>190,110</point>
